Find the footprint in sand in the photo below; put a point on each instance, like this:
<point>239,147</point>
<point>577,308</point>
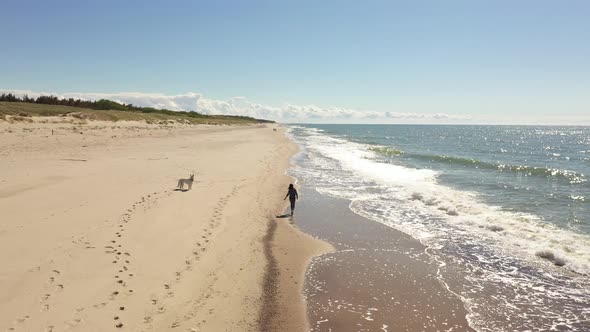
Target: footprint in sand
<point>74,322</point>
<point>100,305</point>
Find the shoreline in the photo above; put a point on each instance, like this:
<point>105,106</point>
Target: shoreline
<point>292,253</point>
<point>288,252</point>
<point>345,243</point>
<point>108,244</point>
<point>390,281</point>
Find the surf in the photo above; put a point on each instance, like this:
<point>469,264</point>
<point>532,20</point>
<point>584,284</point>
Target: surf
<point>508,248</point>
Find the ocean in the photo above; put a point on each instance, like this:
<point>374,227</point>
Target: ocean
<point>503,211</point>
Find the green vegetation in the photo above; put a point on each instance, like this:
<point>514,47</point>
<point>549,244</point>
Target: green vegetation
<point>107,110</point>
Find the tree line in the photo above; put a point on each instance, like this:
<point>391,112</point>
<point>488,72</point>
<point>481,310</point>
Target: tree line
<point>102,104</point>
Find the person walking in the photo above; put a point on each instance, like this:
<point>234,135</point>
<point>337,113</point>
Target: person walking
<point>293,196</point>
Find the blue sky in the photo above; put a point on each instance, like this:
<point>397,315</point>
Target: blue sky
<point>476,61</point>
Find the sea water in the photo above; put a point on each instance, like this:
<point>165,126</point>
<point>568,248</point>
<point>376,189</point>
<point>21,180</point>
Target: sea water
<point>504,211</point>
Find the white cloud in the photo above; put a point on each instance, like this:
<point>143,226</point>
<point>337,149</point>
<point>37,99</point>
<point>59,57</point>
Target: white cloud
<point>241,106</point>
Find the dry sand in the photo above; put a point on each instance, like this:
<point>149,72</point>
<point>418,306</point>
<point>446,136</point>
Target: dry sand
<point>93,234</point>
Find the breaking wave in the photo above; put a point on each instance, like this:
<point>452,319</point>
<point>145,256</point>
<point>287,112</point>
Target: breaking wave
<point>571,176</point>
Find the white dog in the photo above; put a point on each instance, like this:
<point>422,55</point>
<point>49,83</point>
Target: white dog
<point>188,182</point>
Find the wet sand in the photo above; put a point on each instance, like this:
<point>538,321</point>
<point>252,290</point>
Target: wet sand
<point>378,279</point>
<point>288,252</point>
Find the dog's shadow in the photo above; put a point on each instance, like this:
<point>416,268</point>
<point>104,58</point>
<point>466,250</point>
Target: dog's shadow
<point>283,216</point>
<point>181,190</point>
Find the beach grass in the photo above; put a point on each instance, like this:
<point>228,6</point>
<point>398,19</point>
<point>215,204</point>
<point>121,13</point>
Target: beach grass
<point>19,111</point>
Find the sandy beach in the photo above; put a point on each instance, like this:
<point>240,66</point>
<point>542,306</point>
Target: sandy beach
<point>95,237</point>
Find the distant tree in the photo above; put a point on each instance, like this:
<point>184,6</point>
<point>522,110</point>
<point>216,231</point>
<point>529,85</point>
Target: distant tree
<point>105,104</point>
<point>9,97</point>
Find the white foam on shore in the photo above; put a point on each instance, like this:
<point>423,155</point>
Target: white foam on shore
<point>405,188</point>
